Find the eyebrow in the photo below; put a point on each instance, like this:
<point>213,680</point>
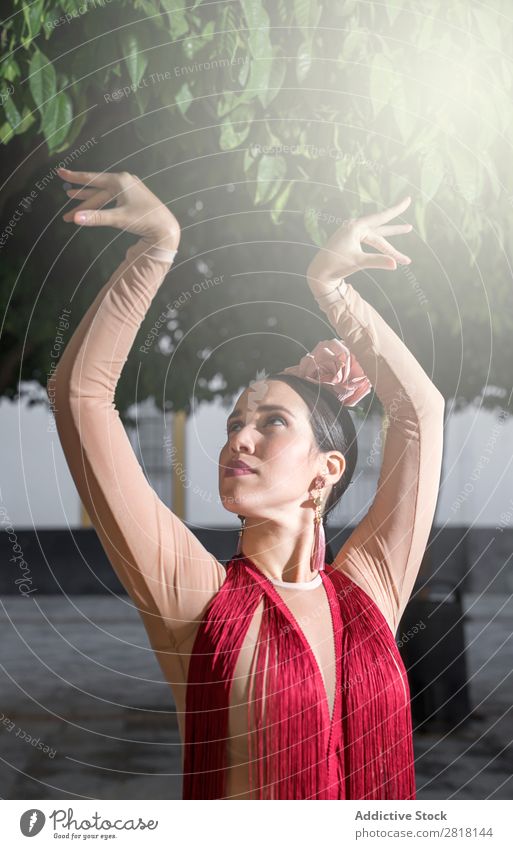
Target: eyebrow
<point>263,407</point>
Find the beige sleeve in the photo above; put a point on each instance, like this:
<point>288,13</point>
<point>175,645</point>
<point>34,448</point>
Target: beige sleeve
<point>384,552</point>
<point>167,572</point>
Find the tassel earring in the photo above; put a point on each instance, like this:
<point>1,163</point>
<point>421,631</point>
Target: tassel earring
<point>242,526</point>
<point>318,556</point>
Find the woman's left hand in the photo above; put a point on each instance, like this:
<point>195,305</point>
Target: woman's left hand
<point>137,209</point>
<point>343,254</point>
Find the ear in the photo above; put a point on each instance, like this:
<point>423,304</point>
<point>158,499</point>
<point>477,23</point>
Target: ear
<point>334,466</point>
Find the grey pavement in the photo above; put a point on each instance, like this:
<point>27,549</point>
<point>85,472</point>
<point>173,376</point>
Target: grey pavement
<point>85,712</point>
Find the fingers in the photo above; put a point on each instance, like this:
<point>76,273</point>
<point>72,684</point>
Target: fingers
<point>393,229</point>
<point>91,202</point>
<point>381,244</point>
<point>383,261</point>
<point>378,218</point>
<point>97,217</point>
<point>92,178</point>
<point>81,193</point>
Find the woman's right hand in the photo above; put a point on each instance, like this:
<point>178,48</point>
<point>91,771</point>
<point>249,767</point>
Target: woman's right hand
<point>343,254</point>
<point>137,209</point>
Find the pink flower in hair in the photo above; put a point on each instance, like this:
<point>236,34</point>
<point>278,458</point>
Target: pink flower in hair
<point>332,364</point>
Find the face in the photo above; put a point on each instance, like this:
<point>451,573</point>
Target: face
<point>269,429</point>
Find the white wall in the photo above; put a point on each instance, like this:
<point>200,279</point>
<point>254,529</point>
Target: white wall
<point>37,489</point>
<point>477,486</point>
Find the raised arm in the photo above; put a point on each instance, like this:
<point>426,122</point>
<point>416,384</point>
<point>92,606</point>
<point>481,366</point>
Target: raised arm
<point>384,552</point>
<point>167,572</point>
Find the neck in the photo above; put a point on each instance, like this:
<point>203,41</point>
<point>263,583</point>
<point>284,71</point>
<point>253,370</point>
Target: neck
<point>279,550</point>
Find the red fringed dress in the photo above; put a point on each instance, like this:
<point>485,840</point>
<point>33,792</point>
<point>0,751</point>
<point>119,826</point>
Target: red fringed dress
<point>299,748</point>
<point>283,690</point>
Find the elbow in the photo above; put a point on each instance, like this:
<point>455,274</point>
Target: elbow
<point>431,416</point>
<point>430,407</point>
<point>57,391</point>
<point>437,402</point>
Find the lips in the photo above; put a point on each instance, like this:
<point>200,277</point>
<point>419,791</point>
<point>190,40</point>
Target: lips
<point>238,467</point>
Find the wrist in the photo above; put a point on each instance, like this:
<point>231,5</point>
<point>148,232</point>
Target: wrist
<point>167,240</point>
<point>332,295</point>
<point>165,233</point>
<point>322,283</point>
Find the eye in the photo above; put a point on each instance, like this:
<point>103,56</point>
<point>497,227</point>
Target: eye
<point>276,418</point>
<point>268,420</point>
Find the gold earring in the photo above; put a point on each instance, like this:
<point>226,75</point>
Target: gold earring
<point>239,541</point>
<point>318,553</point>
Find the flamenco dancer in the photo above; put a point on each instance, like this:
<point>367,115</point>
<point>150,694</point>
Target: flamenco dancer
<point>287,679</point>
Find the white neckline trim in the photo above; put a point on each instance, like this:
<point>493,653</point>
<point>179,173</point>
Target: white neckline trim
<point>298,585</point>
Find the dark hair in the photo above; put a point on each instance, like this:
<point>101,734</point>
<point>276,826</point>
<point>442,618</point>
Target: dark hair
<point>332,426</point>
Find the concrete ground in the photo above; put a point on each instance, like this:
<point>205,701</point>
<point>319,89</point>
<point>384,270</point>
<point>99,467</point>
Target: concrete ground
<point>84,712</point>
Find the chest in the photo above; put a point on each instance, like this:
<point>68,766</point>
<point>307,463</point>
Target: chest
<point>295,686</point>
<point>308,612</point>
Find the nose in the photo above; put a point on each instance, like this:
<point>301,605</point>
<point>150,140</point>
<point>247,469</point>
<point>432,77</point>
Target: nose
<point>242,440</point>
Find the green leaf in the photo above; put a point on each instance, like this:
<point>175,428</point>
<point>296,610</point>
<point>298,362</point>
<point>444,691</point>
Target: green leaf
<point>135,61</point>
<point>258,82</point>
<point>178,23</point>
<point>314,229</point>
<point>302,13</point>
<point>280,202</point>
<point>78,122</point>
<point>283,11</point>
<point>10,69</point>
<point>307,14</point>
<point>490,168</point>
<point>420,220</point>
<point>260,48</point>
<point>191,46</point>
<point>353,44</point>
<point>244,73</point>
<point>270,173</point>
<point>258,23</point>
<point>184,98</point>
<point>142,98</point>
<point>278,73</point>
<point>383,83</point>
<point>303,60</point>
<point>432,173</point>
<point>6,133</point>
<point>369,189</point>
<point>27,119</point>
<point>33,17</point>
<point>208,33</point>
<point>57,118</point>
<point>404,116</point>
<point>229,39</point>
<point>343,170</point>
<point>235,128</point>
<point>248,161</point>
<point>42,80</point>
<point>11,112</point>
<point>467,174</point>
<point>255,14</point>
<point>226,102</point>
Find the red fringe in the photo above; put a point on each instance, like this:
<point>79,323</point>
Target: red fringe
<point>318,557</point>
<point>365,752</point>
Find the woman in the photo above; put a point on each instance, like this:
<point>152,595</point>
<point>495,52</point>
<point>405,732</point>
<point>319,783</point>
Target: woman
<point>284,669</point>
